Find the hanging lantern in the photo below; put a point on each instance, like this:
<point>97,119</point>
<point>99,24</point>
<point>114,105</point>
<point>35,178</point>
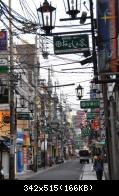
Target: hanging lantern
<point>22,102</point>
<point>79,91</point>
<point>72,7</point>
<point>47,16</point>
<point>31,107</point>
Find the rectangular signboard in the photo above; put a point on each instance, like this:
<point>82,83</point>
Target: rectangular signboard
<point>23,116</point>
<point>107,39</point>
<point>3,69</point>
<point>85,131</point>
<point>92,115</point>
<point>3,62</point>
<point>4,94</point>
<point>90,104</point>
<point>71,44</point>
<point>3,40</point>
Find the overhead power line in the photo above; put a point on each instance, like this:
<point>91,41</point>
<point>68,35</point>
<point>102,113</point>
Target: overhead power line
<point>62,85</point>
<point>76,68</point>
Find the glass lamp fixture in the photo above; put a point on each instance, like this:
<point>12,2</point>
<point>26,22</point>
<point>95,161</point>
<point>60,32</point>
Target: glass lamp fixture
<point>72,7</point>
<point>22,102</point>
<point>31,107</point>
<point>79,91</point>
<point>47,16</point>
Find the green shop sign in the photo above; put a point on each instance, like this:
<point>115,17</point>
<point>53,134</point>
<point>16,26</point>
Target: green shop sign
<point>71,44</point>
<point>24,116</point>
<point>90,104</point>
<point>85,131</point>
<point>90,115</point>
<point>3,69</point>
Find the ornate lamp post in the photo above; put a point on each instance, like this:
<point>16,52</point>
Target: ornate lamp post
<point>22,102</point>
<point>47,17</point>
<point>31,107</point>
<point>79,91</point>
<point>72,7</point>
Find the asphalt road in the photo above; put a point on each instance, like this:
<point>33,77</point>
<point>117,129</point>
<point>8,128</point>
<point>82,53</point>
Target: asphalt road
<point>70,170</point>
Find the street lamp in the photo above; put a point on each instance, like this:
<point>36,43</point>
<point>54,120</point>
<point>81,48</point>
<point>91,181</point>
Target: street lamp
<point>22,102</point>
<point>31,107</point>
<point>79,91</point>
<point>47,17</point>
<point>72,7</point>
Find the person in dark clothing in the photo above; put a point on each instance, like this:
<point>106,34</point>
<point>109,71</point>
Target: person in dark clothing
<point>98,167</point>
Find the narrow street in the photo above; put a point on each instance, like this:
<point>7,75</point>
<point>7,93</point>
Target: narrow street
<point>70,170</point>
<point>59,90</point>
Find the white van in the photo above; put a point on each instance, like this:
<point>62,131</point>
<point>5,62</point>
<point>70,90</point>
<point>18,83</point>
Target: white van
<point>84,156</point>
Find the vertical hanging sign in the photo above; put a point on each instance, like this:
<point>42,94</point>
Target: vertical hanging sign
<point>3,52</point>
<point>107,43</point>
<point>3,68</point>
<point>3,40</point>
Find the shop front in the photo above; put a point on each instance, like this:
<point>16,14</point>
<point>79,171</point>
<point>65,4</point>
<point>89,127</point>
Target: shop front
<point>27,150</point>
<point>4,153</point>
<point>19,153</point>
<point>4,140</point>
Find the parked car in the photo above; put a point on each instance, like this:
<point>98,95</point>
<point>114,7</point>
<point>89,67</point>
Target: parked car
<point>59,160</point>
<point>84,156</point>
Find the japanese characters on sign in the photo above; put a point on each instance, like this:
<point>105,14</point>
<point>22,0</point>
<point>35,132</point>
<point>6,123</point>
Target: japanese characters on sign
<point>71,44</point>
<point>90,104</point>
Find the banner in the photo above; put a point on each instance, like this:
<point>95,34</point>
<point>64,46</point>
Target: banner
<point>4,94</point>
<point>4,123</point>
<point>3,40</point>
<point>107,43</point>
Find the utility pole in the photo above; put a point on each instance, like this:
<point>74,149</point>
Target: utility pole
<point>108,131</point>
<point>49,107</point>
<point>36,73</point>
<point>62,127</point>
<point>55,120</point>
<point>11,102</point>
<point>55,104</point>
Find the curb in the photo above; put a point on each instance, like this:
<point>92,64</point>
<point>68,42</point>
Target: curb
<point>29,173</point>
<point>27,176</point>
<point>41,170</point>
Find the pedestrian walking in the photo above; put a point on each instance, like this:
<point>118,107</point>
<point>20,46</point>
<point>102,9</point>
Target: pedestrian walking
<point>98,167</point>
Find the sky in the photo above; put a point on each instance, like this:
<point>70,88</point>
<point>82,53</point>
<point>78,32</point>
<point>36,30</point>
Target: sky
<point>59,62</point>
